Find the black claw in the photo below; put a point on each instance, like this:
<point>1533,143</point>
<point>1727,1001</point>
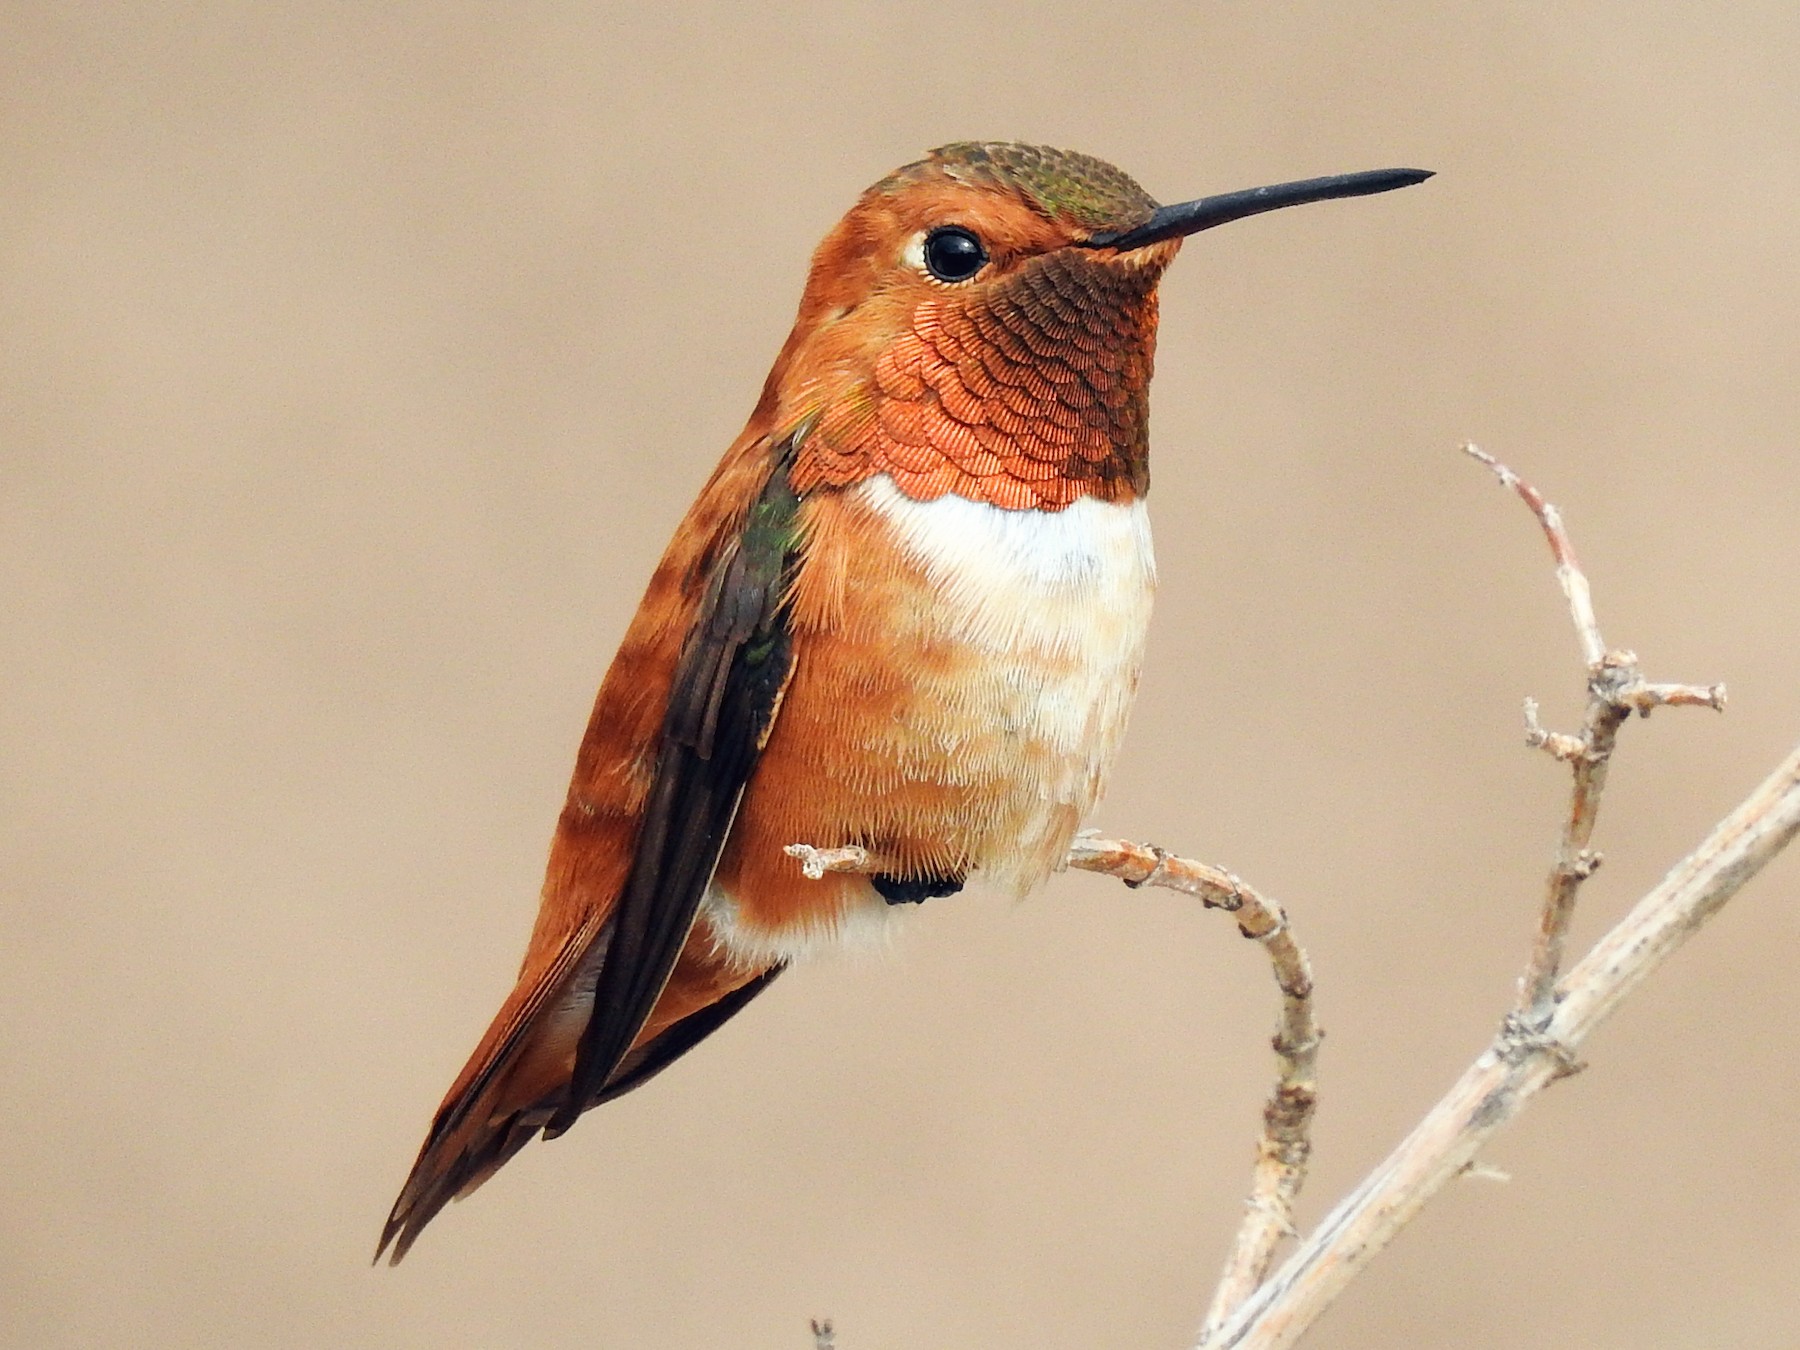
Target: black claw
<point>899,890</point>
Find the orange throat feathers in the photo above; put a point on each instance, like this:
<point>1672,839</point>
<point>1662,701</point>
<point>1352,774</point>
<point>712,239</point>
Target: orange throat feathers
<point>1026,387</point>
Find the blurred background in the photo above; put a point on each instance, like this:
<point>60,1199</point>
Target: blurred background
<point>355,365</point>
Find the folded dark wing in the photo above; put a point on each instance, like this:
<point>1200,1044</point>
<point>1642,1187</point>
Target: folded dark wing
<point>727,688</point>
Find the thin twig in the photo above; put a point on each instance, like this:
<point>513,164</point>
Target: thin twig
<point>816,862</point>
<point>1286,1143</point>
<point>1569,575</point>
<point>1518,1066</point>
<point>1616,689</point>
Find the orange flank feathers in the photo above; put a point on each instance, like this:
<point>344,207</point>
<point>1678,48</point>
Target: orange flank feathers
<point>906,612</point>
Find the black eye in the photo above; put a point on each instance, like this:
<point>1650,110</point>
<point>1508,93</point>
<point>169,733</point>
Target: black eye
<point>953,253</point>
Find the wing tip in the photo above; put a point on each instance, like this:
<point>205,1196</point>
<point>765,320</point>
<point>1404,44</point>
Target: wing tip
<point>389,1231</point>
<point>417,1206</point>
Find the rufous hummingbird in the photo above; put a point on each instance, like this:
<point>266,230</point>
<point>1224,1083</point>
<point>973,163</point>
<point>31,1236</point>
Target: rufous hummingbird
<point>906,613</point>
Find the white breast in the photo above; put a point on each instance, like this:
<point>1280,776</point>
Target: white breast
<point>1028,575</point>
<point>1056,605</point>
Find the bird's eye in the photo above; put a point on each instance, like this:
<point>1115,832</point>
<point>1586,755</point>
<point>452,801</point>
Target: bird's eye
<point>953,253</point>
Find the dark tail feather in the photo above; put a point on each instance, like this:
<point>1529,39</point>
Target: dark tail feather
<point>434,1183</point>
<point>648,1060</point>
<point>457,1158</point>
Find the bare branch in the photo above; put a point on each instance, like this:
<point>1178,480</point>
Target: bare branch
<point>1643,697</point>
<point>1554,743</point>
<point>1569,575</point>
<point>1286,1143</point>
<point>1539,1040</point>
<point>1616,689</point>
<point>816,862</point>
<point>1518,1066</point>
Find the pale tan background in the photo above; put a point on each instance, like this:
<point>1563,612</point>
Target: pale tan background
<point>356,361</point>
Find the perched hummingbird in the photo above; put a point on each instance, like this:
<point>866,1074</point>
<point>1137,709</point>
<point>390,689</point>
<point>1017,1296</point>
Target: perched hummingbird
<point>906,613</point>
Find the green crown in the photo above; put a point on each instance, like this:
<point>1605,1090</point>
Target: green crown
<point>1061,183</point>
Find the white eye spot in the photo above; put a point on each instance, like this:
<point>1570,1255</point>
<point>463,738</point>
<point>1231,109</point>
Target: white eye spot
<point>913,255</point>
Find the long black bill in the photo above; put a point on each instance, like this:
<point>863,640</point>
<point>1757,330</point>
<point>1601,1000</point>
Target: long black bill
<point>1170,222</point>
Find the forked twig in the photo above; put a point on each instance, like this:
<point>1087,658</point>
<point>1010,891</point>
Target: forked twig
<point>1616,689</point>
<point>1539,1040</point>
<point>1516,1067</point>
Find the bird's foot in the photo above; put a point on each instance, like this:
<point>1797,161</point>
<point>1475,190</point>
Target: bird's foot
<point>900,890</point>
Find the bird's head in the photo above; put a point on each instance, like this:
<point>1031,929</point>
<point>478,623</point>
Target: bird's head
<point>983,321</point>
